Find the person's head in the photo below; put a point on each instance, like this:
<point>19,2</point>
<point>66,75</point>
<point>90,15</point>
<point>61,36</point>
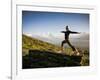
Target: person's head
<point>67,28</point>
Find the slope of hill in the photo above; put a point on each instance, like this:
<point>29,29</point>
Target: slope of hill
<point>40,54</point>
<point>29,43</point>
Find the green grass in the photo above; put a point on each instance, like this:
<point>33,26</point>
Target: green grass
<point>85,58</point>
<point>29,43</point>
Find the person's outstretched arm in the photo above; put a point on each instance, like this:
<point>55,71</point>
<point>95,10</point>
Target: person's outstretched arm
<point>73,32</point>
<point>63,31</point>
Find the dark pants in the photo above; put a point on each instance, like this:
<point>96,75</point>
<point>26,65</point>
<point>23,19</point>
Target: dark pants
<point>68,42</point>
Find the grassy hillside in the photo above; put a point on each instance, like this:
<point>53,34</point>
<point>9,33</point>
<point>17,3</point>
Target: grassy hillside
<point>29,43</point>
<point>40,54</point>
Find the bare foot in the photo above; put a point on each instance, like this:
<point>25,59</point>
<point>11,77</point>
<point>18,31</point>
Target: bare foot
<point>59,52</point>
<point>75,53</point>
<point>78,54</point>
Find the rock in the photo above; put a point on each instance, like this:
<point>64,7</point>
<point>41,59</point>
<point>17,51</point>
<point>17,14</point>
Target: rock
<point>45,59</point>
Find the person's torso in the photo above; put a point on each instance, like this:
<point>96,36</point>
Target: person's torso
<point>67,34</point>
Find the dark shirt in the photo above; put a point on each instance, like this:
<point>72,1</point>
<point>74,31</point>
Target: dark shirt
<point>67,33</point>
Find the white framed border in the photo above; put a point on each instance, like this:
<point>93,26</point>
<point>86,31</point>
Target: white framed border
<point>26,74</point>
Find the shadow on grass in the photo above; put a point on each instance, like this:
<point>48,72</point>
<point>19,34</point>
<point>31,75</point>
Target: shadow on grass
<point>45,59</point>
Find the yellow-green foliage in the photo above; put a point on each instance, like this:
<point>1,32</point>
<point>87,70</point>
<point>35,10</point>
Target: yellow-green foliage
<point>85,58</point>
<point>35,44</point>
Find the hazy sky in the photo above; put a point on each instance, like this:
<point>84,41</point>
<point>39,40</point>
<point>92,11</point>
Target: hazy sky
<point>53,22</point>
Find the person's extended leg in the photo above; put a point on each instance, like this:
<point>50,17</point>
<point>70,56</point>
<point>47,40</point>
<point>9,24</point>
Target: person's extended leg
<point>73,48</point>
<point>62,44</point>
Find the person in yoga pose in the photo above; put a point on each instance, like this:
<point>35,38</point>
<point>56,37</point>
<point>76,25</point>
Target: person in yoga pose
<point>67,33</point>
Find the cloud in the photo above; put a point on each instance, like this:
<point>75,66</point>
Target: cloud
<point>82,36</point>
<point>28,34</point>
